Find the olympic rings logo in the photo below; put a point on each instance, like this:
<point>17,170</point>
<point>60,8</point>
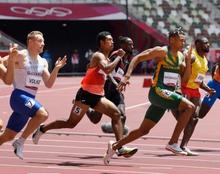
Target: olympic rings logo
<point>42,11</point>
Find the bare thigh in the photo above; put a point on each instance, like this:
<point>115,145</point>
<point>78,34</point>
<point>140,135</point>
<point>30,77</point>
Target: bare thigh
<point>77,112</point>
<point>106,107</point>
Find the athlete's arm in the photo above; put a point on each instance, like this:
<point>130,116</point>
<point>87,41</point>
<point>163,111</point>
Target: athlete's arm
<point>205,87</point>
<point>105,65</point>
<point>153,53</point>
<point>185,68</point>
<point>7,74</point>
<point>48,78</point>
<point>156,53</point>
<point>112,79</point>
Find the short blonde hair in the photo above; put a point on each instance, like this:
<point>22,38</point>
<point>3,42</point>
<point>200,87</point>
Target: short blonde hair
<point>32,34</point>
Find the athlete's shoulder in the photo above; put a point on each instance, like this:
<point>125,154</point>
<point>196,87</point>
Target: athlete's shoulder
<point>42,60</point>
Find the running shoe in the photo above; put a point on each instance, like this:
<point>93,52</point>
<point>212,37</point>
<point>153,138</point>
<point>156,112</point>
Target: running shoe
<point>175,148</point>
<point>189,152</point>
<point>37,134</point>
<point>107,128</point>
<point>126,152</point>
<point>109,153</point>
<point>18,149</point>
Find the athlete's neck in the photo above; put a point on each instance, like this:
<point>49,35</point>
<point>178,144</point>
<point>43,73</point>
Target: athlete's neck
<point>201,53</point>
<point>173,51</point>
<point>33,54</point>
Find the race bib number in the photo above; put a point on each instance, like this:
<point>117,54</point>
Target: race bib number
<point>119,74</point>
<point>170,79</point>
<point>77,110</point>
<point>33,81</point>
<point>199,78</point>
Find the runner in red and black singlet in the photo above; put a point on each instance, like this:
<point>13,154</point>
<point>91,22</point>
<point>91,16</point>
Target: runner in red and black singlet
<point>111,91</point>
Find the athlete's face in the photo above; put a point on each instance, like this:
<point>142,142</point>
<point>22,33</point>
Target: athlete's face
<point>205,45</point>
<point>37,43</point>
<point>108,43</point>
<point>178,41</point>
<point>128,46</point>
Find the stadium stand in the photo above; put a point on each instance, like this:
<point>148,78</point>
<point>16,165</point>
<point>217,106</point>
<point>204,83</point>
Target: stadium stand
<point>5,40</point>
<point>198,17</point>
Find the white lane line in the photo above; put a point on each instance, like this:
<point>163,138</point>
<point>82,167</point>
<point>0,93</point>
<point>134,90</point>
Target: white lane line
<point>101,150</point>
<point>142,145</point>
<point>79,169</point>
<point>114,162</point>
<point>138,105</point>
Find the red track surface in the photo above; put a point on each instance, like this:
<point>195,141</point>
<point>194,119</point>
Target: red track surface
<point>80,150</point>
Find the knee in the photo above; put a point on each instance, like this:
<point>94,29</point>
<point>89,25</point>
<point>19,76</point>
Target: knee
<point>193,121</point>
<point>189,107</point>
<point>116,116</point>
<point>43,114</point>
<point>94,116</point>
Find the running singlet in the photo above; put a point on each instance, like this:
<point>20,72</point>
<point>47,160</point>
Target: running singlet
<point>120,69</point>
<point>199,69</point>
<point>29,78</point>
<point>94,81</point>
<point>167,74</point>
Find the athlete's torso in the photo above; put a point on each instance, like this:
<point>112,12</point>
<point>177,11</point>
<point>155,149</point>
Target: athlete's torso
<point>29,77</point>
<point>120,69</point>
<point>199,69</point>
<point>167,74</point>
<point>94,81</point>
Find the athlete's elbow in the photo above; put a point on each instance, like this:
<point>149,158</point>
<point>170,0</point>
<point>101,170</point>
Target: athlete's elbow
<point>107,71</point>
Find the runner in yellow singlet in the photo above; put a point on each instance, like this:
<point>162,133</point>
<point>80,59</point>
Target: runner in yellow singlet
<point>199,67</point>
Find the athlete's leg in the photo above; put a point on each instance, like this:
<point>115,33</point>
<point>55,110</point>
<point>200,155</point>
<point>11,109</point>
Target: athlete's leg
<point>171,100</point>
<point>94,116</point>
<point>186,109</point>
<point>40,117</point>
<point>7,135</point>
<point>77,112</point>
<point>15,124</point>
<point>206,105</point>
<point>208,101</point>
<point>106,107</point>
<point>190,127</point>
<point>152,116</point>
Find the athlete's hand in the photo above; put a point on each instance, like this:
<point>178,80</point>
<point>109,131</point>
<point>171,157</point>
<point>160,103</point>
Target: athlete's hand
<point>119,52</point>
<point>13,52</point>
<point>211,92</point>
<point>123,83</point>
<point>188,54</point>
<point>61,62</point>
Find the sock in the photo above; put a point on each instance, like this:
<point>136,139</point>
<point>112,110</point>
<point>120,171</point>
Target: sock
<point>21,140</point>
<point>41,129</point>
